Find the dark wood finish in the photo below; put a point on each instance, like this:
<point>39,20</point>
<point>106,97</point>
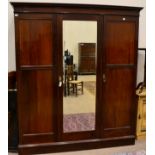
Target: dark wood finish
<point>12,80</point>
<point>36,78</point>
<point>36,96</point>
<point>120,46</point>
<point>76,145</point>
<point>87,58</point>
<point>39,65</point>
<point>34,32</point>
<point>75,9</point>
<point>119,95</point>
<point>120,39</point>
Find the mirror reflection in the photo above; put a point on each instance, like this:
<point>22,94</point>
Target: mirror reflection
<point>79,75</point>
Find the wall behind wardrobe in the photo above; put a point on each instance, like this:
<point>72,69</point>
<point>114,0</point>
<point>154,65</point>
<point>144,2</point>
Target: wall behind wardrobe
<point>142,26</point>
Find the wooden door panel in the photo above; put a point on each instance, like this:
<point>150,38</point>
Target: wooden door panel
<point>120,45</point>
<point>119,100</point>
<point>36,42</point>
<point>36,106</point>
<point>37,74</point>
<point>120,38</point>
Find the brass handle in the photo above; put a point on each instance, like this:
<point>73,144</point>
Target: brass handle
<point>104,78</point>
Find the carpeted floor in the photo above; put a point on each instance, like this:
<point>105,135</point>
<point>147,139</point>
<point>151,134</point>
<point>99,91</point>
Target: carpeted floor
<point>79,122</point>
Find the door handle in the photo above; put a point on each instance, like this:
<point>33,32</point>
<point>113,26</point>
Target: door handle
<point>104,78</point>
<point>60,81</point>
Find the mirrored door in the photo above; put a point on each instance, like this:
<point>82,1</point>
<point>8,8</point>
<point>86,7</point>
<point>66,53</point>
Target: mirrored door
<point>79,75</point>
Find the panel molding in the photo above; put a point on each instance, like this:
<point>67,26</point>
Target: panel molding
<point>118,128</point>
<point>36,67</point>
<point>120,65</point>
<point>38,137</point>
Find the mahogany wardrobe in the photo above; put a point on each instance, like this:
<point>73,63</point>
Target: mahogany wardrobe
<point>40,75</point>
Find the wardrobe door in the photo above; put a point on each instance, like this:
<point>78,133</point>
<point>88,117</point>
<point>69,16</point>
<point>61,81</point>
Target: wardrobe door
<point>119,76</point>
<point>37,84</point>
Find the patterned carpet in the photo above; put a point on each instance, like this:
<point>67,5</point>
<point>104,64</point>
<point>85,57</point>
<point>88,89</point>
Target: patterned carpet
<point>79,122</point>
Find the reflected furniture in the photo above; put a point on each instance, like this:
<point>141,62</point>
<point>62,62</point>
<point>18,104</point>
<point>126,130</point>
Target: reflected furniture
<point>72,84</point>
<point>39,60</point>
<point>69,76</point>
<point>87,59</point>
<point>141,114</point>
<point>77,86</point>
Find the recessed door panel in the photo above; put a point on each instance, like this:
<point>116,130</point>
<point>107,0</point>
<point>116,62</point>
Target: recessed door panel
<point>120,37</point>
<point>119,97</point>
<point>36,42</point>
<point>37,101</point>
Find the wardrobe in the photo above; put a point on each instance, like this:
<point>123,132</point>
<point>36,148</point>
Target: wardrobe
<point>39,55</point>
<point>87,58</point>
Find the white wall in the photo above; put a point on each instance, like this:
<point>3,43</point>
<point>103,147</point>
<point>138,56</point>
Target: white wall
<point>11,40</point>
<point>138,3</point>
<point>140,67</point>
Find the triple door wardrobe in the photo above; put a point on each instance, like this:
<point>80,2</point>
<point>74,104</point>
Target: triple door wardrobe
<point>40,39</point>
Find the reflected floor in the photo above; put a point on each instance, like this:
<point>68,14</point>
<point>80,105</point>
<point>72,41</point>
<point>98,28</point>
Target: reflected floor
<point>79,122</point>
<point>79,111</point>
<point>83,103</point>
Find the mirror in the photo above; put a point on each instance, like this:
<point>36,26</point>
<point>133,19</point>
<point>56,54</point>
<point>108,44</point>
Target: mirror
<point>79,75</point>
